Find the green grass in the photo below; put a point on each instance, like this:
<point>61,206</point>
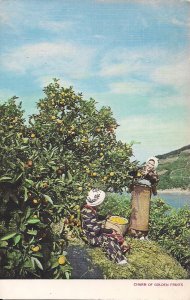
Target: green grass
<point>147,260</point>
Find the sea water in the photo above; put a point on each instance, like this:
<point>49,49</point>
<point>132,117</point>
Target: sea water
<point>175,200</point>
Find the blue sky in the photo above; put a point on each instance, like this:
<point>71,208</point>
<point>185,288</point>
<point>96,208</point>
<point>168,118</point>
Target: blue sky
<point>130,55</point>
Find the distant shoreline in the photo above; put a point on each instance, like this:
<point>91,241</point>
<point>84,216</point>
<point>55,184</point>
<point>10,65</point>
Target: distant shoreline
<point>173,191</point>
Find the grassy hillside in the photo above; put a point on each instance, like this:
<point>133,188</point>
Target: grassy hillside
<point>174,169</point>
<point>147,260</point>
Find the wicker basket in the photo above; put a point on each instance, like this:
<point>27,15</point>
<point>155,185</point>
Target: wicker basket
<point>119,228</point>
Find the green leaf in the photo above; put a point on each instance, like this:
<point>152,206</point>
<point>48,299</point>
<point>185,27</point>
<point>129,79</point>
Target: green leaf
<point>23,147</point>
<point>22,227</point>
<point>17,239</point>
<point>67,275</point>
<point>28,264</point>
<point>32,232</point>
<point>29,182</point>
<point>33,221</point>
<point>58,275</point>
<point>25,194</point>
<point>8,236</point>
<point>38,263</point>
<point>55,265</point>
<point>18,177</point>
<point>25,140</point>
<point>37,254</point>
<point>3,244</point>
<point>28,213</point>
<point>69,176</point>
<point>48,198</point>
<point>5,179</point>
<point>8,267</point>
<point>32,261</point>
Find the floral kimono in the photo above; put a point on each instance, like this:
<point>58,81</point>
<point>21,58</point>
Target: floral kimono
<point>98,236</point>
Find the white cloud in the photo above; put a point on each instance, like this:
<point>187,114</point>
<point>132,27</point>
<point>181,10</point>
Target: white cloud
<point>4,18</point>
<point>115,70</point>
<point>99,36</point>
<point>7,14</point>
<point>175,74</point>
<point>177,22</point>
<point>44,59</point>
<point>55,26</point>
<point>153,3</point>
<point>130,88</point>
<point>169,102</point>
<point>123,61</point>
<point>156,135</point>
<point>153,68</point>
<point>23,15</point>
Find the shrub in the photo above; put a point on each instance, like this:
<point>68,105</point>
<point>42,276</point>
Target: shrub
<point>47,168</point>
<point>171,229</point>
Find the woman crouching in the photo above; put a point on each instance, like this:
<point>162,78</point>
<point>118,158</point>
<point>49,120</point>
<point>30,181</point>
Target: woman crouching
<point>96,234</point>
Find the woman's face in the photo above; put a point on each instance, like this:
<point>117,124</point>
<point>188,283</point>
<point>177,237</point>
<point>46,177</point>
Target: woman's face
<point>150,165</point>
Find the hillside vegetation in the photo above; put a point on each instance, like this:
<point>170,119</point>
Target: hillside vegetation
<point>174,169</point>
<point>147,260</point>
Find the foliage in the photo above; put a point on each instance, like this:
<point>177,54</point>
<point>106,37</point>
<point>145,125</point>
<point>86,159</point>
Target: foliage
<point>175,171</point>
<point>117,205</point>
<point>145,261</point>
<point>171,229</point>
<point>47,168</point>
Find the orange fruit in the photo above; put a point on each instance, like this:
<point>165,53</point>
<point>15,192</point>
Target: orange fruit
<point>29,163</point>
<point>33,135</point>
<point>35,248</point>
<point>35,201</point>
<point>62,260</point>
<point>45,184</point>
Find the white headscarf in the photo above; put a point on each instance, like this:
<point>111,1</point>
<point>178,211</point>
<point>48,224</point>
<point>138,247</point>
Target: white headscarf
<point>155,161</point>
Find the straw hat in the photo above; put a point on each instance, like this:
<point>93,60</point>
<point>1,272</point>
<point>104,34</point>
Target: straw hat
<point>95,197</point>
<point>155,161</point>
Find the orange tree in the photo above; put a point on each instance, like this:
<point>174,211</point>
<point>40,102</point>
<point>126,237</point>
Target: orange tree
<point>28,248</point>
<point>81,142</point>
<point>67,148</point>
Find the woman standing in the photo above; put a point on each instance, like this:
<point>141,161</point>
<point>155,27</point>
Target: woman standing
<point>143,184</point>
<point>95,232</point>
